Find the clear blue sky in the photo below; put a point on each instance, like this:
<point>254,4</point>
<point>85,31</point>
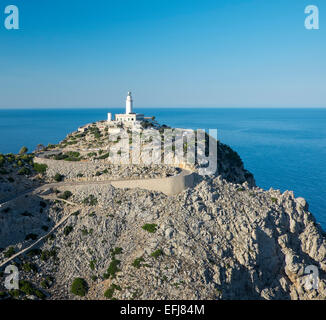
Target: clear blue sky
<point>170,53</point>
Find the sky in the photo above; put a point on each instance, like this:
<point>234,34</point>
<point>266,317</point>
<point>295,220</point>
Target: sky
<point>169,53</point>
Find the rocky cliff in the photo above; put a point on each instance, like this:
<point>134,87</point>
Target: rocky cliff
<point>224,238</point>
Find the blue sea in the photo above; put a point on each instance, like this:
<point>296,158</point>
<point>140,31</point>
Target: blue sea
<point>283,148</point>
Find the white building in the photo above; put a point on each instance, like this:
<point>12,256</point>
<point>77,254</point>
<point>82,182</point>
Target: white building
<point>129,116</point>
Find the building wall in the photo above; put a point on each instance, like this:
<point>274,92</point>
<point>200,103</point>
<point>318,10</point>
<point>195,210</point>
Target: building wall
<point>125,117</point>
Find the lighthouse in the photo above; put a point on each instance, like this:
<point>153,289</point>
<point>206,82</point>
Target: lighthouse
<point>128,118</point>
<point>129,103</point>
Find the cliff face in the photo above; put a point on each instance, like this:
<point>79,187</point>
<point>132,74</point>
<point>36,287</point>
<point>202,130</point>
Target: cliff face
<point>217,241</point>
<point>223,239</point>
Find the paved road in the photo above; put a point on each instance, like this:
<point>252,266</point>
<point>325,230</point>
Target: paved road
<point>39,189</point>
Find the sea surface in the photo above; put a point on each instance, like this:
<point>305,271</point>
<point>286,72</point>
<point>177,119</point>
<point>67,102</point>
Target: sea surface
<point>283,148</point>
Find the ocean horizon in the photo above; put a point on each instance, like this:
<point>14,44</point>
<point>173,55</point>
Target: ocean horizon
<point>284,148</point>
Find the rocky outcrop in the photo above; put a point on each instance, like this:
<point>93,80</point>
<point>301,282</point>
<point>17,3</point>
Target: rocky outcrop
<point>216,241</point>
<point>224,238</point>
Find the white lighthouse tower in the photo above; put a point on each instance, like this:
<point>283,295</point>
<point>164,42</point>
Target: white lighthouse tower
<point>129,103</point>
<point>128,118</point>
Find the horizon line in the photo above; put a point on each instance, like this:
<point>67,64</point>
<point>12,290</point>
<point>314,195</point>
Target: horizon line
<point>166,107</point>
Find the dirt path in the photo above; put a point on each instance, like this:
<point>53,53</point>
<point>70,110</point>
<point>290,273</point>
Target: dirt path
<point>43,237</point>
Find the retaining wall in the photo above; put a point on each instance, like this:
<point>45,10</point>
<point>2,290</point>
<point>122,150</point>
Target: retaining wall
<point>169,185</point>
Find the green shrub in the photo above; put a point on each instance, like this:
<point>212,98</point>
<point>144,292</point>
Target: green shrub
<point>26,287</point>
<point>79,287</point>
<point>58,177</point>
<point>47,282</point>
<point>90,200</point>
<point>15,293</point>
<point>150,227</point>
<point>91,154</point>
<point>28,267</point>
<point>67,230</point>
<point>157,253</point>
<point>24,171</point>
<point>34,252</point>
<point>117,250</point>
<point>137,262</point>
<point>44,284</point>
<point>2,160</point>
<point>84,231</point>
<point>109,292</point>
<point>66,195</point>
<point>39,294</point>
<point>112,269</point>
<point>10,252</point>
<point>104,156</point>
<point>92,264</point>
<point>23,150</point>
<point>40,168</point>
<point>76,213</point>
<point>47,254</point>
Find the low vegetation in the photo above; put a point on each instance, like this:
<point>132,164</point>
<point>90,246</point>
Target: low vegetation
<point>40,168</point>
<point>150,227</point>
<point>79,287</point>
<point>65,195</point>
<point>137,262</point>
<point>58,177</point>
<point>110,291</point>
<point>157,253</point>
<point>90,200</point>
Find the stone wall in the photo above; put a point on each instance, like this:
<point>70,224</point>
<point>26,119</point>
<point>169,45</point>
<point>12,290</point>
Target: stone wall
<point>167,185</point>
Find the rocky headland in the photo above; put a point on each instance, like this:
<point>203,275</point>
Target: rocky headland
<point>73,235</point>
